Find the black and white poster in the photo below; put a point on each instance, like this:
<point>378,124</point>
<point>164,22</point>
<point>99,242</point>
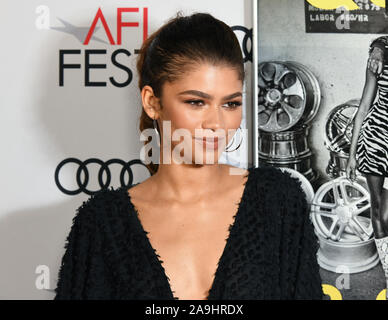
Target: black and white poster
<point>312,81</point>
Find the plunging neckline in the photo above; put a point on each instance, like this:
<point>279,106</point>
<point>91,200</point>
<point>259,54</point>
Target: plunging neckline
<point>156,256</point>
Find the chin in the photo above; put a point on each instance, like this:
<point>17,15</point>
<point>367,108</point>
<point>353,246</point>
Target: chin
<point>207,159</point>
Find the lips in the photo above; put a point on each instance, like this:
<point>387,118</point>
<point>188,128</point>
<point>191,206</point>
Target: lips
<point>210,142</point>
<point>210,139</point>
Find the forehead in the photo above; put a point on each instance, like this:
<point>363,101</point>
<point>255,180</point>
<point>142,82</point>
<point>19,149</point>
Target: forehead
<point>209,78</point>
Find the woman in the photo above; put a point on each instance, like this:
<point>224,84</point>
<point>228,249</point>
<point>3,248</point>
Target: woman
<point>369,145</point>
<point>193,230</point>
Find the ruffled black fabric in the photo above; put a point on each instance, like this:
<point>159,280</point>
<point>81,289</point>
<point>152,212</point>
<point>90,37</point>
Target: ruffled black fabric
<point>270,252</point>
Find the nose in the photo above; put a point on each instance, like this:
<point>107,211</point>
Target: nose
<point>213,118</point>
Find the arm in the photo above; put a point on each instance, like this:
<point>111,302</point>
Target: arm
<point>300,271</point>
<point>376,55</point>
<point>368,96</point>
<point>308,280</point>
<point>81,273</point>
<point>378,43</point>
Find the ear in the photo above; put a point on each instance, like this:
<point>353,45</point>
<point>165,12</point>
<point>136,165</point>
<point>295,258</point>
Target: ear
<point>150,102</point>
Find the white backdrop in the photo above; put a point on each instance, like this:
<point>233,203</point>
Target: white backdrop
<point>43,123</point>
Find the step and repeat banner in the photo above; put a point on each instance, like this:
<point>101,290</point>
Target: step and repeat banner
<point>70,109</point>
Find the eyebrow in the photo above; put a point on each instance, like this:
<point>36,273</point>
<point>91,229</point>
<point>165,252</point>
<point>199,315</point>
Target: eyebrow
<point>207,96</point>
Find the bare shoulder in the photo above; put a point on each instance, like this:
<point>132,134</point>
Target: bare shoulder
<point>142,191</point>
<point>234,171</point>
<point>234,177</point>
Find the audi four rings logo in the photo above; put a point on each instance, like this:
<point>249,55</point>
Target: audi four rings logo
<point>244,45</point>
<point>104,167</point>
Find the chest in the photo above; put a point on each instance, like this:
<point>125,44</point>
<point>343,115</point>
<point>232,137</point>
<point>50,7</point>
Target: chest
<point>190,241</point>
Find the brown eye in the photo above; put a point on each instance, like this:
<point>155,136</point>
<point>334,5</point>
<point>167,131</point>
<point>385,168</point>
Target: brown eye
<point>233,104</point>
<point>198,103</point>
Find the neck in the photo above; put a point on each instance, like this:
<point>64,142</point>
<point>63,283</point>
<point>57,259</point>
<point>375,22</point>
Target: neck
<point>189,182</point>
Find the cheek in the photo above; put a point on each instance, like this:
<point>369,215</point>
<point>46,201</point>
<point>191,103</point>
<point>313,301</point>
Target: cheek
<point>233,119</point>
<point>182,117</point>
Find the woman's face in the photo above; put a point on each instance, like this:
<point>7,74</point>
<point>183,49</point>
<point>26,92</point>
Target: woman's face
<point>207,102</point>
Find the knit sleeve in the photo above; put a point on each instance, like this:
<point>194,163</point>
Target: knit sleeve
<point>300,270</point>
<point>81,274</point>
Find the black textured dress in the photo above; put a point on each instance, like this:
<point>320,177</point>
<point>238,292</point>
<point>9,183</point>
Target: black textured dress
<point>270,252</point>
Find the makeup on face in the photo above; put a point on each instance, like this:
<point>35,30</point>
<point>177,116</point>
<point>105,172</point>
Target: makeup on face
<point>204,100</point>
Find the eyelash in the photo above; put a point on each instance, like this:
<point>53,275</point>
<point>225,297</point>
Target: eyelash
<point>235,104</point>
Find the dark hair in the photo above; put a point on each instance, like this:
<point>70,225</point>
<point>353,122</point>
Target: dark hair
<point>182,41</point>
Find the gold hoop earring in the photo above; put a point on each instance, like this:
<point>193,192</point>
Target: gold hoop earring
<point>233,142</point>
<point>155,125</point>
